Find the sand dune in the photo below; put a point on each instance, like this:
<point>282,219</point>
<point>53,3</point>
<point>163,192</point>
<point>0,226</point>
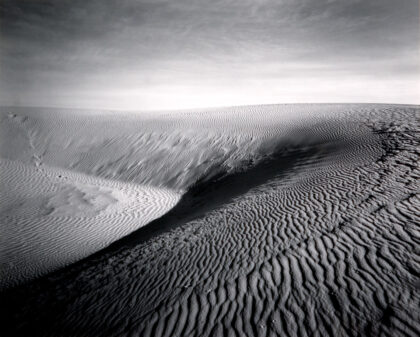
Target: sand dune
<point>79,180</point>
<point>52,217</point>
<point>291,220</point>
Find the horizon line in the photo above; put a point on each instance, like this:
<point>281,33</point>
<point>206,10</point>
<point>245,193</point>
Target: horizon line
<point>200,108</point>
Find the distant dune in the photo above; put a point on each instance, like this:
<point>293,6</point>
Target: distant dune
<point>288,220</point>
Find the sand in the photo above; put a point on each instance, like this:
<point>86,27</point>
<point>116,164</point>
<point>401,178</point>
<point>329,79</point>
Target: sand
<point>290,220</point>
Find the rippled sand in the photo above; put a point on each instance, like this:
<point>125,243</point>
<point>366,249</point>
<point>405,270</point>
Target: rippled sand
<point>290,220</point>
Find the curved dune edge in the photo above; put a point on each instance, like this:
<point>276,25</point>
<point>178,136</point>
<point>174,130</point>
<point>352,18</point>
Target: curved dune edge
<point>326,248</point>
<point>51,217</point>
<point>74,183</point>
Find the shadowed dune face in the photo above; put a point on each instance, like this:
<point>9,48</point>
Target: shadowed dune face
<point>171,151</point>
<point>309,228</point>
<point>78,181</point>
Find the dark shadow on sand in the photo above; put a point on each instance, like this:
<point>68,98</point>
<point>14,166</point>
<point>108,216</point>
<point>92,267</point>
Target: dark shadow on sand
<point>209,194</point>
<point>216,189</point>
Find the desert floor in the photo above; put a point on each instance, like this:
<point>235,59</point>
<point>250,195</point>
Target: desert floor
<point>278,220</point>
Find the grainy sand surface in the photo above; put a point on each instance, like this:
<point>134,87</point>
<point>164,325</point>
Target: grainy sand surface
<point>289,220</point>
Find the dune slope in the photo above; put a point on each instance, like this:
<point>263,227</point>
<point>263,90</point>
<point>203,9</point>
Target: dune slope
<point>315,233</point>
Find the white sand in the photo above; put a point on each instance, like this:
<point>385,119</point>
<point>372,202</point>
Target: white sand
<point>323,243</point>
<point>75,181</point>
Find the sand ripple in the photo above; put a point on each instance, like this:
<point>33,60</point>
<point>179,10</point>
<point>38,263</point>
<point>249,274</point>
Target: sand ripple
<point>325,246</point>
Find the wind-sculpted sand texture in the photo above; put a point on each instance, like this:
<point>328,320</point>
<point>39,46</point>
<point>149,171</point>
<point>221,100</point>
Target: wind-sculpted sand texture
<point>315,234</point>
<point>53,217</point>
<point>75,181</point>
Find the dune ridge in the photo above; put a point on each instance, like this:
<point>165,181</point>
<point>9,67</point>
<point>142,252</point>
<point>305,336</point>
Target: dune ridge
<point>148,160</point>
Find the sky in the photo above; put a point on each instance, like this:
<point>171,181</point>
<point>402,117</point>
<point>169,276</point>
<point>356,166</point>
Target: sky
<point>182,54</point>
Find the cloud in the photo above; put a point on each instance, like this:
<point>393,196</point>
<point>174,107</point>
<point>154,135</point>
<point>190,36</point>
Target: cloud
<point>80,53</point>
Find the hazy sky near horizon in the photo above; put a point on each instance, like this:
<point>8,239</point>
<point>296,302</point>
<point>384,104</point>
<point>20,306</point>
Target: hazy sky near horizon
<point>175,54</point>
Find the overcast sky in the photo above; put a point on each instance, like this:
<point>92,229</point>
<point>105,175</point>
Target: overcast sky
<point>128,54</point>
